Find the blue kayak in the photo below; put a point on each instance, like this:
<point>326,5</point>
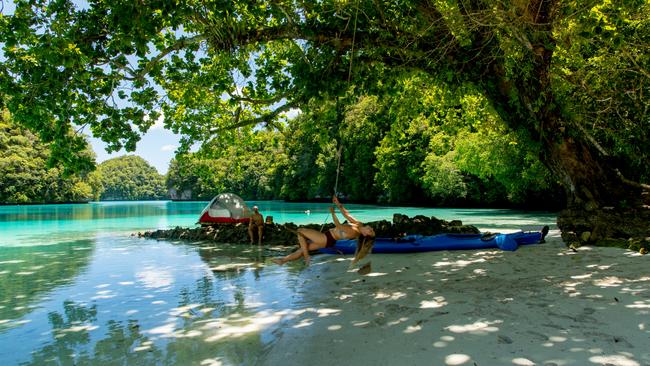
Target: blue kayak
<point>420,243</point>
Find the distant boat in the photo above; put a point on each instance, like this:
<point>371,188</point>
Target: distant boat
<point>225,208</point>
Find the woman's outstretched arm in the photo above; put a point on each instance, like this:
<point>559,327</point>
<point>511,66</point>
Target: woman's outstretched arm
<point>334,218</point>
<point>345,212</point>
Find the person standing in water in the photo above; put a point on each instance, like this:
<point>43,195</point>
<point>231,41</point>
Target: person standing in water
<point>310,239</point>
<point>256,221</point>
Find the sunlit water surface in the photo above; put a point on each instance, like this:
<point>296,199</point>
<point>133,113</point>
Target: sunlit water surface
<point>77,288</point>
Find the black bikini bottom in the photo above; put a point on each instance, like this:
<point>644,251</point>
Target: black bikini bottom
<point>330,239</point>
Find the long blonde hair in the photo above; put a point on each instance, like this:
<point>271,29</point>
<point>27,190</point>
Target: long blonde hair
<point>364,247</point>
<point>365,240</point>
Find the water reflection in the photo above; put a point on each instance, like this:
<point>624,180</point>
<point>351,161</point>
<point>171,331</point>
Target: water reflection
<point>227,261</point>
<point>191,331</point>
<point>142,301</point>
<point>122,343</point>
<point>28,273</point>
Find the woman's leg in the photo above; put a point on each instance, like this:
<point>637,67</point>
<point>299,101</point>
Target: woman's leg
<point>308,239</point>
<point>291,257</point>
<point>315,238</point>
<point>304,248</point>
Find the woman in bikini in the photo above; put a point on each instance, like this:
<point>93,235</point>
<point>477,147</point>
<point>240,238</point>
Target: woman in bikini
<point>310,239</point>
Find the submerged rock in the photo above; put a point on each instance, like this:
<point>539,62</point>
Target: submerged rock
<point>284,234</point>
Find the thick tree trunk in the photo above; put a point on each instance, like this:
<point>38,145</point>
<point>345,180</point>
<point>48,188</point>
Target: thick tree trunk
<point>603,207</point>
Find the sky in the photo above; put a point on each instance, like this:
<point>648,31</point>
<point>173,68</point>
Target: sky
<point>157,147</point>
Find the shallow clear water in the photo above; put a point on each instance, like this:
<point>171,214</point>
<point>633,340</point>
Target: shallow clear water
<point>77,288</point>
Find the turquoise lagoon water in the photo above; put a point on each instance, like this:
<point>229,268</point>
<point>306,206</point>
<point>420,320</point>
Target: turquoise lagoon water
<point>76,288</point>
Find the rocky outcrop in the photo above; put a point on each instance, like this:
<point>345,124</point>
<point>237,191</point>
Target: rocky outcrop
<point>284,234</point>
<point>184,195</point>
<point>606,227</point>
<point>423,225</point>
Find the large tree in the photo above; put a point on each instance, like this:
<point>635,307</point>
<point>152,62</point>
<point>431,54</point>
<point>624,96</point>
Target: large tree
<point>213,66</point>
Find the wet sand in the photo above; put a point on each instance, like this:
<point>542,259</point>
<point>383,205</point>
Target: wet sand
<point>540,305</point>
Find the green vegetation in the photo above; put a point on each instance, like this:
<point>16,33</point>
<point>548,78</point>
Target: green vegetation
<point>29,175</point>
<point>568,80</point>
<point>24,173</point>
<point>417,140</point>
<point>130,178</point>
<point>252,169</point>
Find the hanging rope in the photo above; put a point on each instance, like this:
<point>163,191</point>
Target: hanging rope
<point>338,169</point>
<point>354,35</point>
<point>336,182</point>
<point>338,113</point>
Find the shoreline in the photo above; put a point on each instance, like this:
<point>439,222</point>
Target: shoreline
<point>277,234</point>
<point>543,304</point>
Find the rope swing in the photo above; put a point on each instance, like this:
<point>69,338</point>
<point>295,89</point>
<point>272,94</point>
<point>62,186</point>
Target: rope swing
<point>336,182</point>
<point>338,112</point>
<point>338,169</point>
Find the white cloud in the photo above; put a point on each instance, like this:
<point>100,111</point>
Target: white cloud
<point>168,148</point>
<point>292,113</point>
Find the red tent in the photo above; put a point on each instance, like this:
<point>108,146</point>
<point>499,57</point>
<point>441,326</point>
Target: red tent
<point>225,208</point>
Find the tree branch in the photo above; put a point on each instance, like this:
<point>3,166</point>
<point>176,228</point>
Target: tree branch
<point>268,118</point>
<point>271,100</point>
<point>182,43</point>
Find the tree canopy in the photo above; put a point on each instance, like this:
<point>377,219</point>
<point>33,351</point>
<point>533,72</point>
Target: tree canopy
<point>418,140</point>
<point>570,75</point>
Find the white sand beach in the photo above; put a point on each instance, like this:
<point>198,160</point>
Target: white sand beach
<point>540,305</point>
